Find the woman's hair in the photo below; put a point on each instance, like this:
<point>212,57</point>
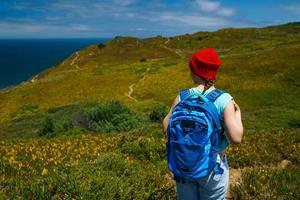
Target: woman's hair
<point>206,82</point>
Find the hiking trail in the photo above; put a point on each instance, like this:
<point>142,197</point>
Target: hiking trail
<point>34,79</point>
<point>129,93</point>
<point>176,51</point>
<point>75,60</point>
<point>130,87</point>
<point>168,40</point>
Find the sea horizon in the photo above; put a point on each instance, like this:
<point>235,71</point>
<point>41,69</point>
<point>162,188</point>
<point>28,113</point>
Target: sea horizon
<point>23,58</point>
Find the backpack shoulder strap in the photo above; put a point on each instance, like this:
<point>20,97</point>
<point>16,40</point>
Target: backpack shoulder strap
<point>213,95</point>
<point>184,94</point>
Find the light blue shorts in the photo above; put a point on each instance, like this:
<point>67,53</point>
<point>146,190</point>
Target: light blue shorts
<point>213,187</point>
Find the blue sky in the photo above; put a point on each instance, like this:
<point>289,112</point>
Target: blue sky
<point>109,18</point>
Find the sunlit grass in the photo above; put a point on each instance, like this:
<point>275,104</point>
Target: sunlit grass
<point>260,70</point>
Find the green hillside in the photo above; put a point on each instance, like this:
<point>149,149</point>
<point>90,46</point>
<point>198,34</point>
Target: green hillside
<point>90,126</point>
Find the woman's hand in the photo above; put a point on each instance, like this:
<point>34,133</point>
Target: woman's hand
<point>237,110</point>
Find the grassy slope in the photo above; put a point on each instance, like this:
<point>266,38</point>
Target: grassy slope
<point>260,69</point>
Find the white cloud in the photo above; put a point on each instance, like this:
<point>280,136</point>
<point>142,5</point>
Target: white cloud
<point>193,20</point>
<point>117,17</point>
<point>26,28</point>
<point>17,29</point>
<point>124,2</point>
<point>80,27</point>
<point>295,8</point>
<point>138,29</point>
<point>22,5</point>
<point>207,5</point>
<point>226,12</point>
<point>53,18</point>
<point>215,7</point>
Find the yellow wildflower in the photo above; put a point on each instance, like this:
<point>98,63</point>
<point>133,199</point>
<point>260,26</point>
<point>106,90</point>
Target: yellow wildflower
<point>45,171</point>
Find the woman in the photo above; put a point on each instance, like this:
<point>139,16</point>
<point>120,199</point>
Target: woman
<point>203,66</point>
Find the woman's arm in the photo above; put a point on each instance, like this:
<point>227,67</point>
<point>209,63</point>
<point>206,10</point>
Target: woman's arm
<point>166,119</point>
<point>233,122</point>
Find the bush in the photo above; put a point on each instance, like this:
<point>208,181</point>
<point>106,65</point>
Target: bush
<point>80,119</point>
<point>47,126</point>
<point>143,60</point>
<point>294,123</point>
<point>143,148</point>
<point>101,45</point>
<point>158,113</point>
<point>51,127</point>
<point>105,112</point>
<point>62,125</point>
<point>113,116</point>
<point>104,118</point>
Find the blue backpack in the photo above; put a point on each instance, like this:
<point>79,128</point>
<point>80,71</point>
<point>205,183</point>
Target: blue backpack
<point>194,133</point>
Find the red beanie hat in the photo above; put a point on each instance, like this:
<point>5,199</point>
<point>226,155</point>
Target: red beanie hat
<point>205,63</point>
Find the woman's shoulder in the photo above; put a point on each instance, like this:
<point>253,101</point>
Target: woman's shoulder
<point>222,101</point>
<point>225,96</point>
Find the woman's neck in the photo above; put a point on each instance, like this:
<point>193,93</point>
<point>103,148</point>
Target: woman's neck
<point>201,87</point>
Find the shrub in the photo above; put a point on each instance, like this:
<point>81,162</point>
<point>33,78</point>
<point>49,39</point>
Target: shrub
<point>47,126</point>
<point>105,112</point>
<point>143,148</point>
<point>126,122</point>
<point>80,119</point>
<point>101,45</point>
<point>109,117</point>
<point>294,123</point>
<point>143,60</point>
<point>104,118</point>
<point>62,125</point>
<point>158,113</point>
<point>51,127</point>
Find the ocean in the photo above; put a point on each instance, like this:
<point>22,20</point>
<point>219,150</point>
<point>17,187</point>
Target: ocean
<point>21,59</point>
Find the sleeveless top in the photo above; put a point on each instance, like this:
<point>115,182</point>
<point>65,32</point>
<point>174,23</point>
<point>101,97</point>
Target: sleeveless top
<point>220,103</point>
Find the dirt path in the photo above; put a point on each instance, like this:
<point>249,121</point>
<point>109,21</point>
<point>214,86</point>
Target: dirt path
<point>235,176</point>
<point>168,40</point>
<point>34,79</point>
<point>144,74</point>
<point>129,93</point>
<point>176,51</point>
<point>131,87</point>
<point>76,58</point>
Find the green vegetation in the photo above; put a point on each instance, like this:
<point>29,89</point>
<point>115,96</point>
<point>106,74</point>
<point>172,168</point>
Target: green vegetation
<point>86,166</point>
<point>265,183</point>
<point>158,113</point>
<point>90,127</point>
